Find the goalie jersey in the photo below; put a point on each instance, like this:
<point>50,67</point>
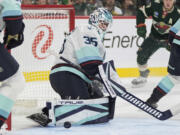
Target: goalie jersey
<point>83,47</point>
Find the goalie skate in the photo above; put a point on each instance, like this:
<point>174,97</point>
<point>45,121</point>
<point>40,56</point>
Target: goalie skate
<point>40,118</point>
<point>139,82</point>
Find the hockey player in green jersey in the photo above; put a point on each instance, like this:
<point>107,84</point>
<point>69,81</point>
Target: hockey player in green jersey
<point>164,14</point>
<point>168,82</point>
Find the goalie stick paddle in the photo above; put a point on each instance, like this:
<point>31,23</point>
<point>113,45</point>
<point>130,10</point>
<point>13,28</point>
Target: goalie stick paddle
<point>121,92</point>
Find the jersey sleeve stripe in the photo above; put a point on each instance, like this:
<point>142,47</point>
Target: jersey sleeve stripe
<point>91,62</point>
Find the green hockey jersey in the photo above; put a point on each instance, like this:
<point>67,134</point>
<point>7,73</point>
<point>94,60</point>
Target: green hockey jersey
<point>161,21</point>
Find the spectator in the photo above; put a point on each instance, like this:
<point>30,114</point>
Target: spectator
<point>128,7</point>
<point>110,5</point>
<point>28,2</point>
<point>42,2</point>
<point>63,2</point>
<point>90,7</point>
<point>52,2</point>
<point>99,3</point>
<point>80,6</point>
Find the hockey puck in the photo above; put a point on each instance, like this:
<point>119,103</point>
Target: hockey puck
<point>67,124</point>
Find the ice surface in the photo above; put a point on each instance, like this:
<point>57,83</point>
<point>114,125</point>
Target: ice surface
<point>128,119</point>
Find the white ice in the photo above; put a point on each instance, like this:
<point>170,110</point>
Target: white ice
<point>128,119</point>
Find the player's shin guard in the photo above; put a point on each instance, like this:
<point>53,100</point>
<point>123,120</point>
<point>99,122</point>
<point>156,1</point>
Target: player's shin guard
<point>6,105</point>
<point>164,86</point>
<point>81,112</point>
<point>155,97</point>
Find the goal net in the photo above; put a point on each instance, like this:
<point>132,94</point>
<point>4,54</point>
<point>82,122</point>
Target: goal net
<point>46,26</point>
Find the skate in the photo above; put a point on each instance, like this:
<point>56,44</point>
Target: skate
<point>139,82</point>
<point>151,103</point>
<point>40,118</point>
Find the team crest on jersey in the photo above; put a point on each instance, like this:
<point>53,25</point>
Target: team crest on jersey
<point>156,14</point>
<point>162,27</point>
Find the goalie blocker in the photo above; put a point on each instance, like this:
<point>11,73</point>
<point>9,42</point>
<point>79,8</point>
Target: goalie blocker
<point>76,112</point>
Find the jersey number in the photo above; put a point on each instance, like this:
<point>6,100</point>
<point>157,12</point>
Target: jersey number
<point>90,40</point>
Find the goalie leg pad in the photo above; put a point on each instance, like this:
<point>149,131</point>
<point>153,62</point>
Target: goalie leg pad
<point>9,65</point>
<point>82,112</point>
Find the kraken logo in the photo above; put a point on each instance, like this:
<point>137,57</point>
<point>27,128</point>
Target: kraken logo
<point>42,41</point>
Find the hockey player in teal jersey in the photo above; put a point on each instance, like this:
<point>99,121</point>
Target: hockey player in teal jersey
<point>164,14</point>
<point>11,78</point>
<point>168,82</point>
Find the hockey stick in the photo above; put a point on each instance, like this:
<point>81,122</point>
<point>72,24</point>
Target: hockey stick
<point>112,85</point>
<point>121,92</point>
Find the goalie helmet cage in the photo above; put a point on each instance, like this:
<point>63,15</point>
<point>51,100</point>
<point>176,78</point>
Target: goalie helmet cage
<point>46,27</point>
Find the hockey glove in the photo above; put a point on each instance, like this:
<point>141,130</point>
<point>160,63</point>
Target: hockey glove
<point>141,30</point>
<point>12,41</point>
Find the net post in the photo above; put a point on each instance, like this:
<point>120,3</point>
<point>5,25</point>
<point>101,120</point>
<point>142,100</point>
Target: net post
<point>8,122</point>
<point>72,19</point>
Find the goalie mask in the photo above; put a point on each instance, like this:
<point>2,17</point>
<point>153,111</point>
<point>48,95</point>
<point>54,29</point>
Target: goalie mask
<point>102,20</point>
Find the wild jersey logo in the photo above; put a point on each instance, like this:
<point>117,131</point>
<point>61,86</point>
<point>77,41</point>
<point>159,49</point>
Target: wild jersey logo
<point>42,41</point>
<point>161,27</point>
